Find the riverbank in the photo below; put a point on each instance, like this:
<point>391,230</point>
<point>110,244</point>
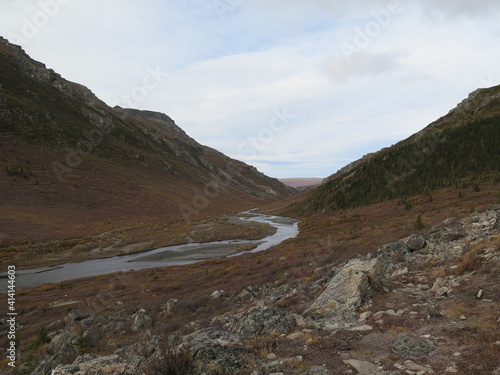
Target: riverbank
<point>163,256</point>
<point>131,240</point>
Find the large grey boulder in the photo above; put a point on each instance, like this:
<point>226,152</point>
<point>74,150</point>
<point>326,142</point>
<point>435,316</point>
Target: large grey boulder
<point>216,349</point>
<point>411,348</point>
<point>260,321</point>
<point>348,291</point>
<point>415,242</point>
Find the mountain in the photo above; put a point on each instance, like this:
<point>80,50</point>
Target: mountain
<point>460,149</point>
<point>70,165</point>
<point>302,183</point>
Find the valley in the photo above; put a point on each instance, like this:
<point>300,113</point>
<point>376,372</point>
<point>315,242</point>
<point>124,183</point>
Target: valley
<point>390,266</point>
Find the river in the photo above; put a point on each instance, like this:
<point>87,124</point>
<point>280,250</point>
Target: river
<point>162,257</point>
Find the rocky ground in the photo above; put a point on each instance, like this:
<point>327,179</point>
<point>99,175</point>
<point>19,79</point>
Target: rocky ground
<point>425,304</point>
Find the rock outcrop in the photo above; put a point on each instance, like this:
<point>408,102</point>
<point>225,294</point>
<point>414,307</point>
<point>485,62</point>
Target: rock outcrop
<point>353,286</point>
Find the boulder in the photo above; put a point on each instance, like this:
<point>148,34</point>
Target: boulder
<point>171,304</point>
<point>415,242</point>
<point>394,252</point>
<point>216,349</point>
<point>361,367</point>
<point>261,321</point>
<point>75,316</point>
<point>407,347</point>
<point>140,320</point>
<point>217,294</point>
<point>63,346</point>
<point>348,291</point>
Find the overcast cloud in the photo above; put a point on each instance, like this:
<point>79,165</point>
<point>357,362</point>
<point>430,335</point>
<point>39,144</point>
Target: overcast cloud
<point>298,88</point>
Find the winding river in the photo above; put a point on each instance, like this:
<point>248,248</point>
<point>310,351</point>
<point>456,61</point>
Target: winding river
<point>162,257</point>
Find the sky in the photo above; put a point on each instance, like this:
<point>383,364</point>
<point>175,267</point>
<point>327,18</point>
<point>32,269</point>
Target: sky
<point>297,88</point>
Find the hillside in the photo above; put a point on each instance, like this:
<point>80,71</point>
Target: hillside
<point>71,166</point>
<point>460,149</point>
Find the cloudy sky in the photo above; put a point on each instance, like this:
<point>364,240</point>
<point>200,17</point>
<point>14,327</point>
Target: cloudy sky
<point>298,88</point>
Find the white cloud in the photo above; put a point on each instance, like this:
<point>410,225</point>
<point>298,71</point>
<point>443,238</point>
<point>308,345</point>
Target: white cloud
<point>363,64</point>
<point>227,75</point>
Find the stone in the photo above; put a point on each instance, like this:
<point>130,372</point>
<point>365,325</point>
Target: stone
<point>217,294</point>
<point>317,370</point>
<point>171,304</point>
<point>439,283</point>
<point>442,292</point>
<point>271,356</point>
<point>480,294</point>
<point>63,345</point>
<point>392,253</point>
<point>412,366</point>
<point>365,315</point>
<point>411,348</point>
<point>433,313</point>
<point>140,320</point>
<point>212,335</point>
<point>283,365</point>
<point>415,242</point>
<point>400,272</point>
<point>93,364</point>
<point>75,316</point>
<point>350,288</point>
<point>451,370</point>
<point>361,367</point>
<point>261,321</point>
<point>295,336</point>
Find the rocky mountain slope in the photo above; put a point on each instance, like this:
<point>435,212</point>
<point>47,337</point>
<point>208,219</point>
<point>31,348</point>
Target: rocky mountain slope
<point>459,149</point>
<point>71,166</point>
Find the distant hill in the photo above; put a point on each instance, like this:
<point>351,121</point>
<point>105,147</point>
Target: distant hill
<point>71,165</point>
<point>460,149</point>
<point>301,182</point>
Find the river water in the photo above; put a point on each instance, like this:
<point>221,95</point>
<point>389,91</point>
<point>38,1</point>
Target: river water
<point>162,257</point>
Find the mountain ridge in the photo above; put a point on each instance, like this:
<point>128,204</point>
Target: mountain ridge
<point>73,166</point>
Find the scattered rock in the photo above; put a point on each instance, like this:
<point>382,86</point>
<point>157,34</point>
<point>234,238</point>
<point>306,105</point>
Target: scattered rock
<point>439,283</point>
<point>171,304</point>
<point>451,370</point>
<point>283,364</point>
<point>400,272</point>
<point>140,320</point>
<point>361,367</point>
<point>415,242</point>
<point>412,366</point>
<point>63,345</point>
<point>261,321</point>
<point>442,292</point>
<point>411,348</point>
<point>317,370</point>
<point>433,313</point>
<point>295,336</point>
<point>217,294</point>
<point>75,316</point>
<point>93,364</point>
